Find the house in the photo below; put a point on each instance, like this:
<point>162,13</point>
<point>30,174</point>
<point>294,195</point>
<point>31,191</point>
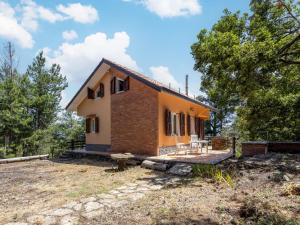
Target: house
<point>126,111</point>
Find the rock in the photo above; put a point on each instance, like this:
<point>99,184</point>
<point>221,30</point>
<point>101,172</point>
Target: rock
<point>90,199</point>
<point>92,214</point>
<point>286,178</point>
<point>49,220</point>
<point>181,169</point>
<point>78,207</point>
<point>133,162</point>
<point>69,220</point>
<point>61,212</point>
<point>70,205</point>
<point>135,196</point>
<point>90,206</point>
<point>37,219</point>
<point>154,165</point>
<point>119,203</point>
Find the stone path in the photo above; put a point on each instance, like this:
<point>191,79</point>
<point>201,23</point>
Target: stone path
<point>89,208</point>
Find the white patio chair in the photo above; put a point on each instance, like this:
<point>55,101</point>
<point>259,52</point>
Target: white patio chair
<point>194,141</point>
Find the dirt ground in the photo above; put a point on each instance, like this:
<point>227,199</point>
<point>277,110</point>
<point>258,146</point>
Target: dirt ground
<point>27,187</point>
<point>263,192</point>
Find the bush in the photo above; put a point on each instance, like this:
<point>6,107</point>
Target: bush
<point>2,153</point>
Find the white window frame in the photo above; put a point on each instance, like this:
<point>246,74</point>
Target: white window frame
<point>93,125</point>
<point>117,85</point>
<point>177,128</point>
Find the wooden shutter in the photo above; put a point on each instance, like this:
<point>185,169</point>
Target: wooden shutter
<point>88,125</point>
<point>188,125</point>
<point>201,129</point>
<point>126,84</point>
<point>101,90</point>
<point>197,130</point>
<point>168,125</point>
<point>113,86</point>
<point>97,124</point>
<point>182,124</point>
<point>91,94</point>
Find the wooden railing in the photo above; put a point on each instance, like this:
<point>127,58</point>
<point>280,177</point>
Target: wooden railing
<point>74,144</point>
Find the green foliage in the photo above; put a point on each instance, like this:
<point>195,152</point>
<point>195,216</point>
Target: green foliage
<point>250,66</point>
<point>213,172</point>
<point>46,87</point>
<point>29,109</point>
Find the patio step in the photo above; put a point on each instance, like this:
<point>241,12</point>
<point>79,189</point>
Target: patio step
<point>154,165</point>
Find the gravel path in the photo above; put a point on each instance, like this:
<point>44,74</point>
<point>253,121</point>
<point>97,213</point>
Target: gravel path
<point>91,207</point>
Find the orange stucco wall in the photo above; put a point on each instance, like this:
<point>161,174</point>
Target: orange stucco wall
<point>101,107</point>
<point>176,105</point>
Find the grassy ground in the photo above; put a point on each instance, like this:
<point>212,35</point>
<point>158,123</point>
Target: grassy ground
<point>259,195</point>
<point>26,187</point>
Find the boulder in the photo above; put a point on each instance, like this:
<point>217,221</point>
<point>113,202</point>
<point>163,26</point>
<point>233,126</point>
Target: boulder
<point>181,169</point>
<point>154,165</point>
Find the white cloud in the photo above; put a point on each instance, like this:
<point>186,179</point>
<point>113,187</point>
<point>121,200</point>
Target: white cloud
<point>79,59</point>
<point>171,8</point>
<point>163,75</point>
<point>31,13</point>
<point>69,35</point>
<point>11,29</point>
<point>79,13</point>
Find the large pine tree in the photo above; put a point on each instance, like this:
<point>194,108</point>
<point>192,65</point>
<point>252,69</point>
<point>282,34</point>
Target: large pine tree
<point>45,91</point>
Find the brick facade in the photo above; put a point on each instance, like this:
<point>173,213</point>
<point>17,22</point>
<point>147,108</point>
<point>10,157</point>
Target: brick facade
<point>134,119</point>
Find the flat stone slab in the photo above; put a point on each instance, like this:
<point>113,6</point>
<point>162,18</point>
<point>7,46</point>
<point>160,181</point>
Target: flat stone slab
<point>180,169</point>
<point>154,165</point>
<point>90,206</point>
<point>93,214</point>
<point>60,212</point>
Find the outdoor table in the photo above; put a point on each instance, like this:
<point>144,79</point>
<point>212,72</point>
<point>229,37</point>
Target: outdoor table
<point>121,160</point>
<point>203,142</point>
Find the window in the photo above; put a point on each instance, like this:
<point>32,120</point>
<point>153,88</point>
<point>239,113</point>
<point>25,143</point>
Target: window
<point>93,128</point>
<point>119,85</point>
<point>175,123</point>
<point>92,125</point>
<point>100,91</point>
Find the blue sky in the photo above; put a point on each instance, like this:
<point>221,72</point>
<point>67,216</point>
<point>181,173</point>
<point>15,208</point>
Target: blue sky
<point>151,36</point>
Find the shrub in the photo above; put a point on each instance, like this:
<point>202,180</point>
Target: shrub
<point>2,153</point>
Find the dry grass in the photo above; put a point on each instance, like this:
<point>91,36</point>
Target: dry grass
<point>27,187</point>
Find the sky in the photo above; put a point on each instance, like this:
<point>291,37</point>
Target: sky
<point>151,36</point>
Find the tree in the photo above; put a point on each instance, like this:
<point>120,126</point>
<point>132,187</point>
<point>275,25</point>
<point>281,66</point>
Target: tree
<point>46,87</point>
<point>251,64</point>
<point>14,118</point>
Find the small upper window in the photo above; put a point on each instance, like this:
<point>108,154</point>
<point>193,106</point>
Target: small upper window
<point>120,85</point>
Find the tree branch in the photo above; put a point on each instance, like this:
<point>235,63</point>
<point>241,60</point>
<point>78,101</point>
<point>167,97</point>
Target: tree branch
<point>290,62</point>
<point>289,44</point>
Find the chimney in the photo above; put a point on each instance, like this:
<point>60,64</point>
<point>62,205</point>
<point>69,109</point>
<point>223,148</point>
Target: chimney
<point>187,85</point>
